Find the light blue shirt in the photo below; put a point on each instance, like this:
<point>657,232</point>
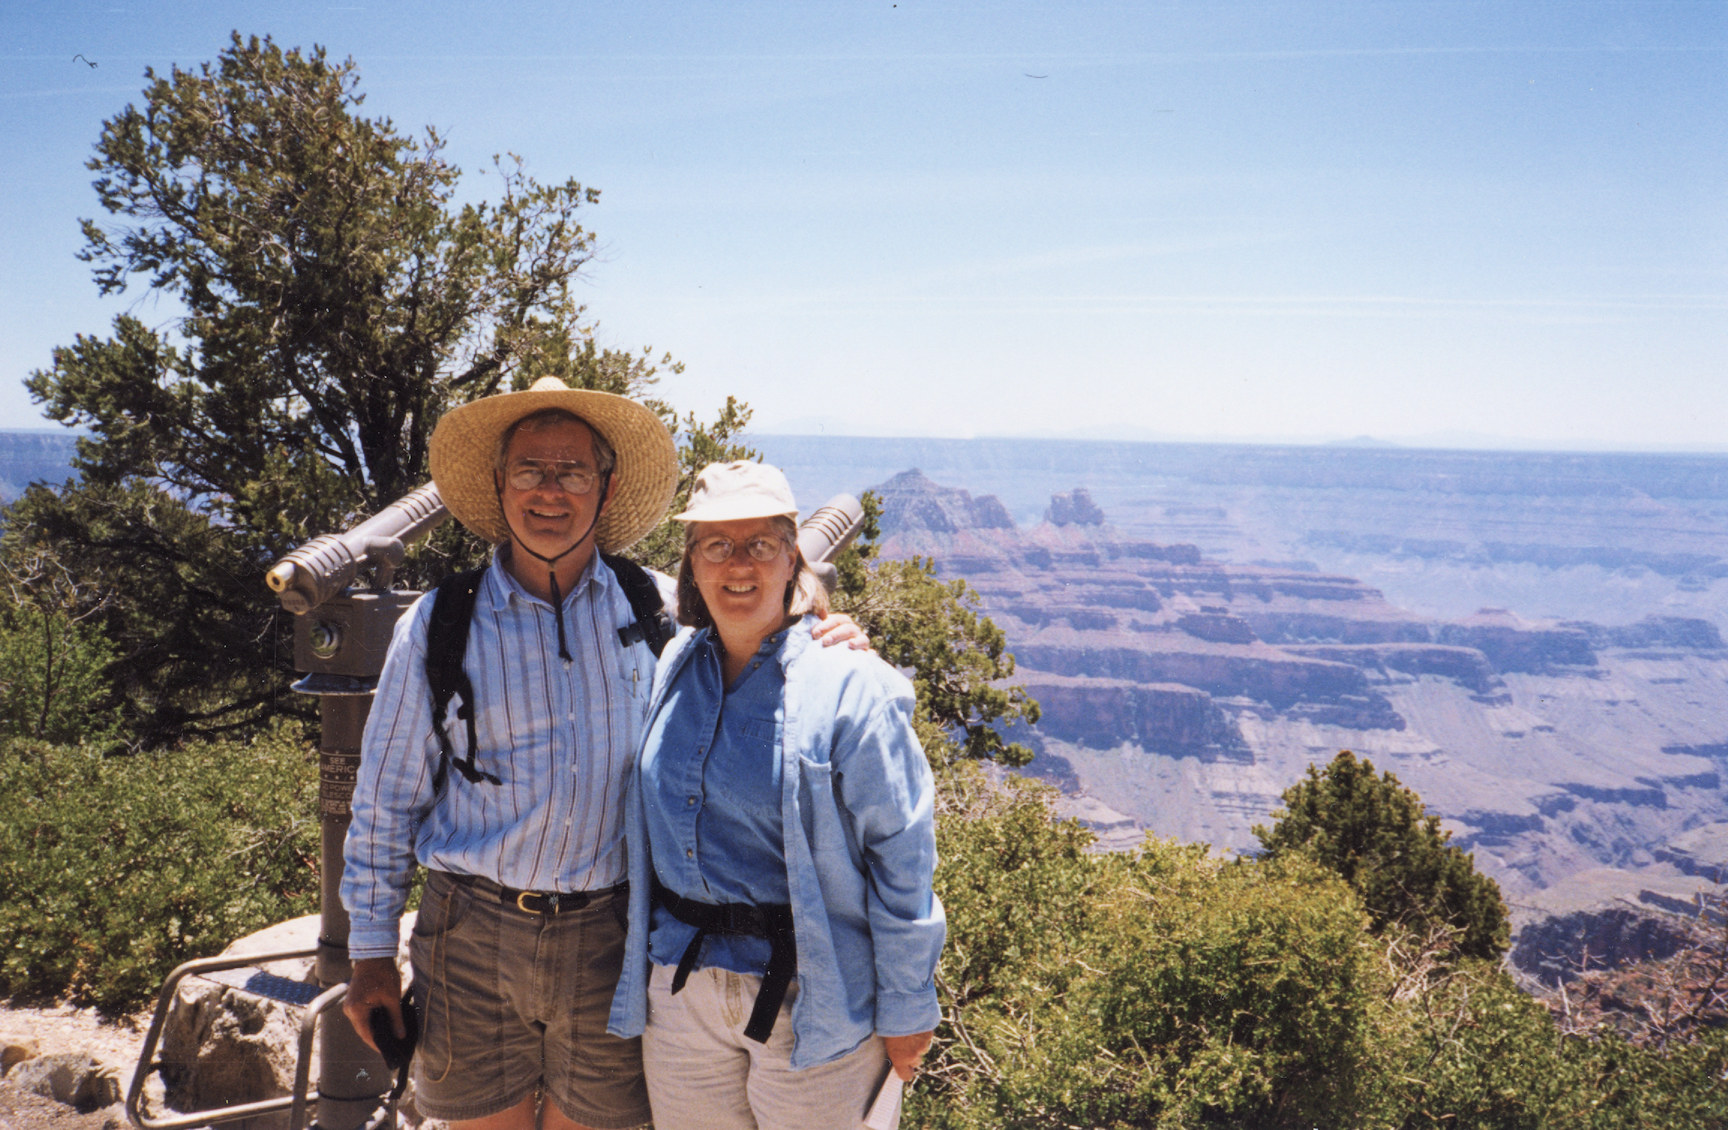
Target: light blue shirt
<point>711,778</point>
<point>559,735</point>
<point>857,807</point>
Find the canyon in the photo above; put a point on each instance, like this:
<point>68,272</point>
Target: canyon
<point>1532,642</point>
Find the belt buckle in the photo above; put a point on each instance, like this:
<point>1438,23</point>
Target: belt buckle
<point>548,902</point>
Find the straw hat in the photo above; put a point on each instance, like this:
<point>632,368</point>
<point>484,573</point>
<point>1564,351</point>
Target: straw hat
<point>464,453</point>
<point>741,489</point>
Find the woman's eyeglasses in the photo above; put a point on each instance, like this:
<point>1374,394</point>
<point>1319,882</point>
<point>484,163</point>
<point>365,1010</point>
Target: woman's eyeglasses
<point>762,547</point>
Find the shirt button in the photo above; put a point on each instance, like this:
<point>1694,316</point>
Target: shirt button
<point>689,853</point>
<point>689,800</point>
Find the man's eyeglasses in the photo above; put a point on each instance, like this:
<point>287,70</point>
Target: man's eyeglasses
<point>718,550</point>
<point>574,480</point>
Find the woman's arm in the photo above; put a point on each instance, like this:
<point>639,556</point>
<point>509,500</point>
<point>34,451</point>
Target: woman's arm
<point>887,795</point>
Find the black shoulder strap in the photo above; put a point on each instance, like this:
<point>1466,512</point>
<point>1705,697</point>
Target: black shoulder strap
<point>446,645</point>
<point>652,625</point>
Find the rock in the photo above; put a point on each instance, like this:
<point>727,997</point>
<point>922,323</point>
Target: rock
<point>1512,645</point>
<point>15,1052</point>
<point>232,1036</point>
<point>1074,508</point>
<point>1685,633</point>
<point>1104,713</point>
<point>912,502</point>
<point>1564,946</point>
<point>1217,627</point>
<point>222,1046</point>
<point>74,1079</point>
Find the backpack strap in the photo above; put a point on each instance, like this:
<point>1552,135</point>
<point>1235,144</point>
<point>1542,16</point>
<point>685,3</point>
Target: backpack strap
<point>652,625</point>
<point>446,645</point>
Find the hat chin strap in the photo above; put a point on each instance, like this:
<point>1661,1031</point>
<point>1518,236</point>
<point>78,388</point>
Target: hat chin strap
<point>551,573</point>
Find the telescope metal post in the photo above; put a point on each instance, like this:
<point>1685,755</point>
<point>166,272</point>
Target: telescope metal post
<point>352,1077</point>
<point>341,645</point>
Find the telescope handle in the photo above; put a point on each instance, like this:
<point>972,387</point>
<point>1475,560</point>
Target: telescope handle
<point>828,531</point>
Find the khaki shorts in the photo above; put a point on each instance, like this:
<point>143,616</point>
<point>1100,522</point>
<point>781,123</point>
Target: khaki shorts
<point>513,1002</point>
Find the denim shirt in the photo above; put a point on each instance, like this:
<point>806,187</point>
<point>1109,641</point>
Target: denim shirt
<point>860,845</point>
<point>711,788</point>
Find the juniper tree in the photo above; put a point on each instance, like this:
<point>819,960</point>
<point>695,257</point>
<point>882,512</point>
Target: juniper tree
<point>1379,837</point>
<point>326,301</point>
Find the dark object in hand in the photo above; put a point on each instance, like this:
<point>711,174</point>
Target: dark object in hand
<point>396,1051</point>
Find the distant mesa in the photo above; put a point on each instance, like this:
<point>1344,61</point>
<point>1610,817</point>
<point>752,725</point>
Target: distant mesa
<point>1074,508</point>
<point>911,502</point>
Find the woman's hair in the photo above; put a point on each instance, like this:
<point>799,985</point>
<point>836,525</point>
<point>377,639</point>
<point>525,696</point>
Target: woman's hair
<point>804,592</point>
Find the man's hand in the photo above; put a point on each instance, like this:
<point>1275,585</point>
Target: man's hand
<point>375,983</point>
<point>904,1052</point>
<point>838,627</point>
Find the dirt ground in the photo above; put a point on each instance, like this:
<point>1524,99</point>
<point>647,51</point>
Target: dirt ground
<point>53,1030</point>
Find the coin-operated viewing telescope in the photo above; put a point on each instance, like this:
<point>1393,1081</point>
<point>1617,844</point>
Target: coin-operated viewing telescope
<point>341,634</point>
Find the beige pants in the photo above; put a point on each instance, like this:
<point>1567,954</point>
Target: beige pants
<point>704,1075</point>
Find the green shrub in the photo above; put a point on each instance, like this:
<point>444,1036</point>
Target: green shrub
<point>53,684</point>
<point>1615,1085</point>
<point>1165,988</point>
<point>1467,1049</point>
<point>115,869</point>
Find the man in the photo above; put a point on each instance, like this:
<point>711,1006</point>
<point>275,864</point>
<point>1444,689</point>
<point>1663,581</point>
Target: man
<point>519,938</point>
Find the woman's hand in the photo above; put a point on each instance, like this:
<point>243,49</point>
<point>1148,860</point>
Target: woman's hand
<point>904,1052</point>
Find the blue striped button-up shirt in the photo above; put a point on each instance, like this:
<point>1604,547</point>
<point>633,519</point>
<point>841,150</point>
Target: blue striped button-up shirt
<point>559,735</point>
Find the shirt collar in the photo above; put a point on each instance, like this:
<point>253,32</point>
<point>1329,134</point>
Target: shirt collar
<point>503,589</point>
<point>707,641</point>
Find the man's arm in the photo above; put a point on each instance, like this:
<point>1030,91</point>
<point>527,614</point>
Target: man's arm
<point>835,628</point>
<point>392,793</point>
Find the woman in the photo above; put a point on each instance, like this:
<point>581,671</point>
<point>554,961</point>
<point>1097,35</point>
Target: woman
<point>783,934</point>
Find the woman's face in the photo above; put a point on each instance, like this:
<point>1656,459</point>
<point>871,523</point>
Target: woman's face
<point>745,596</point>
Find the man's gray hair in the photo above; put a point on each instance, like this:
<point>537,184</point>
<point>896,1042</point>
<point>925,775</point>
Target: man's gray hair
<point>605,458</point>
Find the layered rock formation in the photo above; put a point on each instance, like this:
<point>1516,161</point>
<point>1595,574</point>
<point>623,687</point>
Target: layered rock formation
<point>1182,695</point>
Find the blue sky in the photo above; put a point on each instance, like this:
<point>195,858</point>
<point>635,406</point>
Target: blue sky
<point>1500,223</point>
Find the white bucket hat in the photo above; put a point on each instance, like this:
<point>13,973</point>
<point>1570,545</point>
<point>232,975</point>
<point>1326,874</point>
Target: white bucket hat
<point>464,453</point>
<point>728,491</point>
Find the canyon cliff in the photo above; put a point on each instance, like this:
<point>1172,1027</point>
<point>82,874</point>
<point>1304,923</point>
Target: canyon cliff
<point>1181,695</point>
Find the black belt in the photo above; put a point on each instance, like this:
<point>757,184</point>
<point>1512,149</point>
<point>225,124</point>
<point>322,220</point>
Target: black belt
<point>740,919</point>
<point>545,903</point>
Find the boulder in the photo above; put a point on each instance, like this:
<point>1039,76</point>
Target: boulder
<point>14,1052</point>
<point>232,1036</point>
<point>74,1079</point>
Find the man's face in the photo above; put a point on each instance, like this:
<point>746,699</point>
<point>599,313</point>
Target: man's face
<point>546,518</point>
